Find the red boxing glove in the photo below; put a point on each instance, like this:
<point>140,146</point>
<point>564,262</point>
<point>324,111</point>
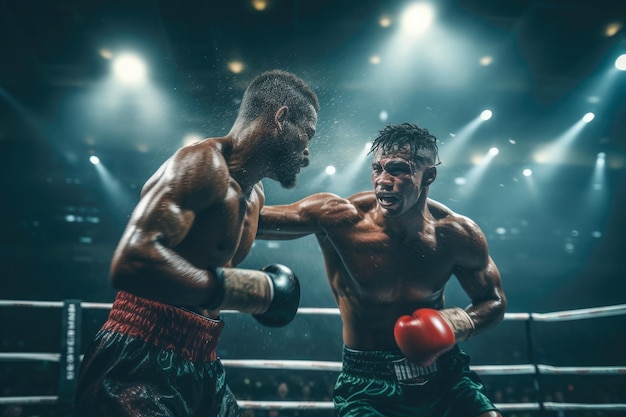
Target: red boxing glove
<point>424,336</point>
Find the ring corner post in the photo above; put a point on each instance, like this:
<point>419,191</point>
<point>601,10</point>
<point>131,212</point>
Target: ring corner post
<point>70,349</point>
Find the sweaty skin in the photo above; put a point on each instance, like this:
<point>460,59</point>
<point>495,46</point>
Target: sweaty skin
<point>390,251</point>
<point>200,211</point>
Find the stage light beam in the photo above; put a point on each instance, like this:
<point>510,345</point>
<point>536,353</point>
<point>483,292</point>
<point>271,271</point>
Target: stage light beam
<point>473,177</point>
<point>450,152</point>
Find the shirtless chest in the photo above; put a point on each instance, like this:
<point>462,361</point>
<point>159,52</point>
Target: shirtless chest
<point>375,279</point>
<point>222,235</point>
<point>381,269</point>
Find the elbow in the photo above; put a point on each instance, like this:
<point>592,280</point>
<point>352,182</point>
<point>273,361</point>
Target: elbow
<point>500,308</point>
<point>262,235</point>
<point>119,274</point>
<point>125,267</point>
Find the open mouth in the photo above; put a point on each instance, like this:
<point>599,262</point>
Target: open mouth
<point>387,200</point>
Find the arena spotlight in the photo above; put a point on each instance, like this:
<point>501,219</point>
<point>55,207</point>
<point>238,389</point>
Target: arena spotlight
<point>527,172</point>
<point>486,114</point>
<point>417,18</point>
<point>486,60</point>
<point>235,66</point>
<point>330,170</point>
<point>588,117</point>
<point>259,5</point>
<point>612,29</point>
<point>384,21</point>
<point>620,62</point>
<point>94,159</point>
<point>129,69</point>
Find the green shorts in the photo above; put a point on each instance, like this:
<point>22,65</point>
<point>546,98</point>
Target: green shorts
<point>385,384</point>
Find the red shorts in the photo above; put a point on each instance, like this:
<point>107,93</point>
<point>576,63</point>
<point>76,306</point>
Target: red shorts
<point>153,359</point>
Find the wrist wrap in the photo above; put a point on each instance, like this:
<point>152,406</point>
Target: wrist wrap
<point>461,323</point>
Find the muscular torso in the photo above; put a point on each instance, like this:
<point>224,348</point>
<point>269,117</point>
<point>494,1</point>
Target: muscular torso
<point>192,217</point>
<point>222,233</point>
<point>382,274</point>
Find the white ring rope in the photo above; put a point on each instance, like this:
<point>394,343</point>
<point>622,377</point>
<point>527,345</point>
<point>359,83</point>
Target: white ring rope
<point>523,369</point>
<point>304,365</point>
<point>48,399</point>
<point>584,313</point>
<point>578,406</point>
<point>328,405</point>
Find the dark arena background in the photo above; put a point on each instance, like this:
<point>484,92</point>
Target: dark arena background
<point>527,99</point>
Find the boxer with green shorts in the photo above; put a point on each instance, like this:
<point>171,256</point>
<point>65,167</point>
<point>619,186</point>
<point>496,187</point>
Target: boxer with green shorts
<point>384,383</point>
<point>389,254</point>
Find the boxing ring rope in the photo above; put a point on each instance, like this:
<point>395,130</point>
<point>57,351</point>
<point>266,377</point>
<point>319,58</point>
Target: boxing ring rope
<point>305,365</point>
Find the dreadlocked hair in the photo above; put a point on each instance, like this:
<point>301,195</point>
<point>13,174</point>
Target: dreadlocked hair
<point>423,145</point>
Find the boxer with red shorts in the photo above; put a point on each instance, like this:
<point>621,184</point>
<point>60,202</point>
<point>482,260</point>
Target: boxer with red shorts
<point>175,265</point>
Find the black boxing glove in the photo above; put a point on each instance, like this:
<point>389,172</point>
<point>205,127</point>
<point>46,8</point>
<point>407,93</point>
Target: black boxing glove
<point>285,297</point>
<point>271,295</point>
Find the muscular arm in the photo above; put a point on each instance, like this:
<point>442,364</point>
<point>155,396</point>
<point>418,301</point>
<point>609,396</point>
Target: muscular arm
<point>479,276</point>
<point>145,262</point>
<point>304,217</point>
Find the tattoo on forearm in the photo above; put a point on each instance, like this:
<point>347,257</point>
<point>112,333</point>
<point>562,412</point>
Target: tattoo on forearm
<point>247,291</point>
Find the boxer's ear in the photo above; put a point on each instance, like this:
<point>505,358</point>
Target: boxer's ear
<point>281,117</point>
<point>429,176</point>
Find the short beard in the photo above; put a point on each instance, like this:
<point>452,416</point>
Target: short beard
<point>288,182</point>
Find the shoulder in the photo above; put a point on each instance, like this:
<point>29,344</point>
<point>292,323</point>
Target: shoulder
<point>206,155</point>
<point>461,236</point>
<point>439,210</point>
<point>324,201</point>
<point>199,169</point>
<point>363,201</point>
<point>329,208</point>
<point>452,224</point>
<point>259,193</point>
<point>349,210</point>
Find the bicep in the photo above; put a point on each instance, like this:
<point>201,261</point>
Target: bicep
<point>475,269</point>
<point>307,216</point>
<point>159,216</point>
<point>168,209</point>
<point>480,283</point>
